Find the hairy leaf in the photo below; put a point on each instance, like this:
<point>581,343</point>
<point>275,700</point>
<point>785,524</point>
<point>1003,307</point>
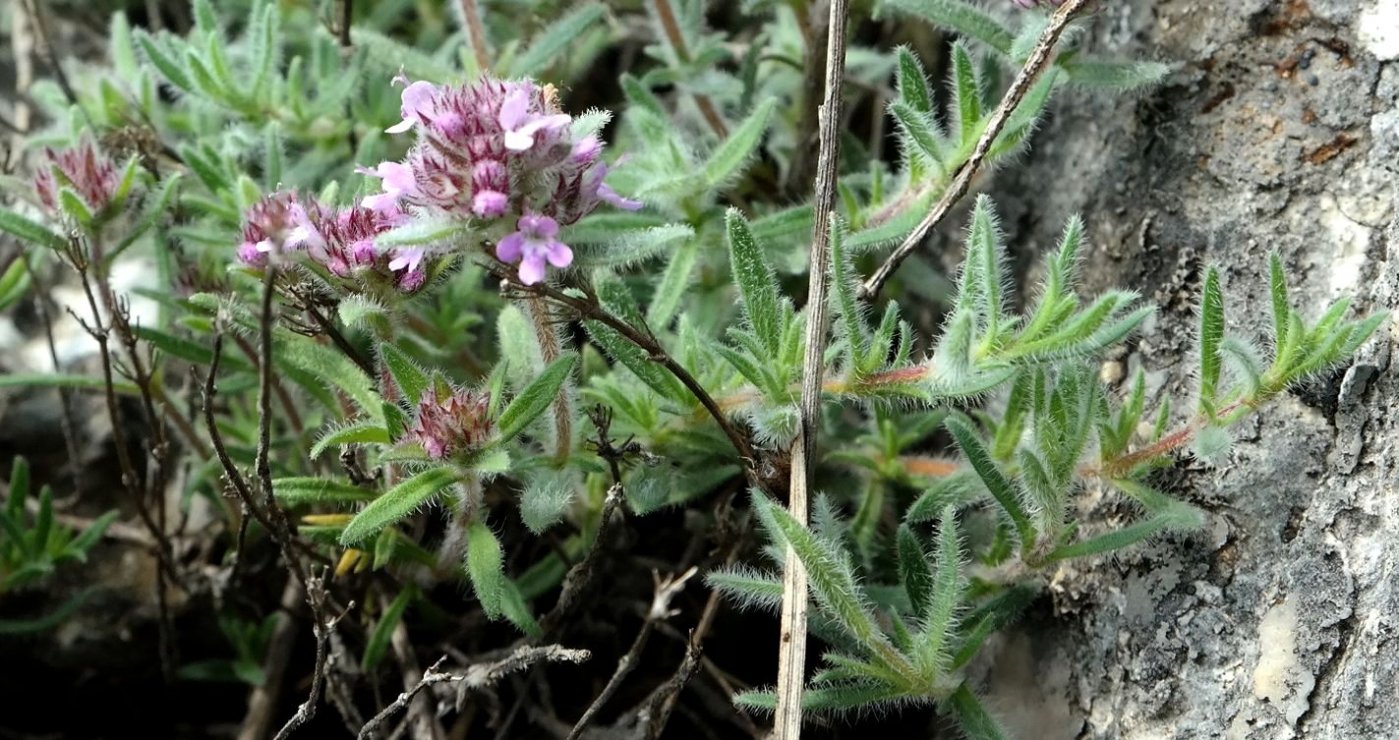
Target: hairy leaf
<point>398,503</point>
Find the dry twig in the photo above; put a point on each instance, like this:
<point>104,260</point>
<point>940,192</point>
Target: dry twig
<point>791,670</point>
<point>665,590</point>
<point>476,677</point>
<point>1040,58</point>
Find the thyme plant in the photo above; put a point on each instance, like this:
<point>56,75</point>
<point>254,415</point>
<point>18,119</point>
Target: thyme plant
<point>408,295</point>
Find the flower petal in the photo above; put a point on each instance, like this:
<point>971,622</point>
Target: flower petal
<point>510,248</point>
<point>559,254</point>
<point>532,268</point>
<point>514,110</point>
<point>488,203</point>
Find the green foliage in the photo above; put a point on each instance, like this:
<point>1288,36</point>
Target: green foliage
<point>955,439</point>
<point>33,544</point>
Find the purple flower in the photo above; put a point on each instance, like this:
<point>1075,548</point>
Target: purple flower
<point>268,226</point>
<point>492,149</point>
<point>406,258</point>
<point>418,101</point>
<point>399,182</point>
<point>85,168</point>
<point>521,124</point>
<point>535,242</point>
<point>456,424</point>
<point>340,241</point>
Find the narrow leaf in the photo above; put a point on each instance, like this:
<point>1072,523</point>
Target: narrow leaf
<point>301,490</point>
<point>397,503</point>
<point>484,566</point>
<point>535,398</point>
<point>28,231</point>
<point>1211,335</point>
<point>959,16</point>
<point>996,482</point>
<point>410,379</point>
<point>728,160</point>
<point>756,283</point>
<point>547,45</point>
<point>914,571</point>
<point>378,643</point>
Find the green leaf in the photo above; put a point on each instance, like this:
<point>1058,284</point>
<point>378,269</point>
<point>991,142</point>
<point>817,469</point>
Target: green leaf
<point>1211,335</point>
<point>406,374</point>
<point>756,283</point>
<point>990,473</point>
<point>122,50</point>
<point>966,95</point>
<point>47,622</point>
<point>921,130</point>
<point>1166,513</point>
<point>397,503</point>
<point>962,17</point>
<point>173,71</point>
<point>518,346</point>
<point>89,537</point>
<point>330,366</point>
<point>484,567</point>
<point>29,232</point>
<point>74,207</point>
<point>14,283</point>
<point>1277,290</point>
<point>845,304</point>
<point>727,160</point>
<point>828,572</point>
<point>939,614</point>
<point>675,281</point>
<point>636,360</point>
<point>984,244</point>
<point>549,43</point>
<point>79,382</point>
<point>632,247</point>
<point>912,82</point>
<point>378,644</point>
<point>748,588</point>
<point>1115,75</point>
<point>361,433</point>
<point>546,496</point>
<point>973,718</point>
<point>305,490</point>
<point>535,398</point>
<point>914,571</point>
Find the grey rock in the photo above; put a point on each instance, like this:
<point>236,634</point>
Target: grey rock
<point>1279,619</point>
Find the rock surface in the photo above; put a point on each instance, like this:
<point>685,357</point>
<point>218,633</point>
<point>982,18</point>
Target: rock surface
<point>1278,130</point>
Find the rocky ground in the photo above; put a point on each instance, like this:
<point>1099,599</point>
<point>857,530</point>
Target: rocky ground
<point>1279,130</point>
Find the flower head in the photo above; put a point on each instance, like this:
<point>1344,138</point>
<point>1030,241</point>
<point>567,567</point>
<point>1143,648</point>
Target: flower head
<point>340,240</point>
<point>452,425</point>
<point>493,150</point>
<point>268,226</point>
<point>534,242</point>
<point>85,168</point>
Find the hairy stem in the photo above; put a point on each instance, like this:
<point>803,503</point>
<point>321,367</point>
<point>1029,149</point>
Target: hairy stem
<point>590,309</point>
<point>471,18</point>
<point>549,350</point>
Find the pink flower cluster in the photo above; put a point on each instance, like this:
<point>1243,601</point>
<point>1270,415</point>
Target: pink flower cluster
<point>85,168</point>
<point>497,150</point>
<point>339,240</point>
<point>449,426</point>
